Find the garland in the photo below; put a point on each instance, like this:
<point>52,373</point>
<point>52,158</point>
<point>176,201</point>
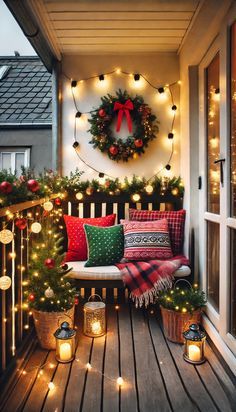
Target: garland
<point>182,300</point>
<point>136,111</point>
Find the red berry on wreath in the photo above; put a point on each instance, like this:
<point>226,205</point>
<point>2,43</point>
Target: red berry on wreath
<point>58,201</point>
<point>138,143</point>
<point>31,297</point>
<point>21,223</point>
<point>113,150</point>
<point>6,188</point>
<point>49,263</point>
<point>102,113</point>
<point>33,185</point>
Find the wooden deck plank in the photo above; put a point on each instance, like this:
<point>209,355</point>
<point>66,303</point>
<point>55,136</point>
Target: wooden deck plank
<point>128,392</point>
<point>213,387</point>
<point>152,395</point>
<point>93,388</point>
<point>191,380</point>
<point>25,383</point>
<point>178,397</point>
<point>111,364</point>
<point>39,391</point>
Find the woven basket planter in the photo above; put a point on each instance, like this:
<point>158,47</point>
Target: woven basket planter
<point>46,323</point>
<point>175,323</point>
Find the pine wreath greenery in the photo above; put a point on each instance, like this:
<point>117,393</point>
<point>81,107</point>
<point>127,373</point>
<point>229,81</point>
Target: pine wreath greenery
<point>145,127</point>
<point>182,299</point>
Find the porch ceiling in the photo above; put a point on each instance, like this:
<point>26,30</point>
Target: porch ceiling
<point>98,26</point>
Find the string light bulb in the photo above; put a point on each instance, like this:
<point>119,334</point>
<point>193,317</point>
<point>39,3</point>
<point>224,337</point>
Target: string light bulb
<point>101,77</point>
<point>88,366</point>
<point>118,71</point>
<point>73,83</point>
<point>78,114</point>
<point>136,197</point>
<point>136,77</point>
<point>174,107</point>
<point>75,144</point>
<point>120,381</point>
<point>170,135</point>
<point>161,90</point>
<point>149,189</point>
<point>168,167</point>
<point>51,386</point>
<point>79,196</point>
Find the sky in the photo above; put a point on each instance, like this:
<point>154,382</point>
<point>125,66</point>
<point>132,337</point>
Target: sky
<point>11,36</point>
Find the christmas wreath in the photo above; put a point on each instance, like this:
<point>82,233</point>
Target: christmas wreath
<point>136,112</point>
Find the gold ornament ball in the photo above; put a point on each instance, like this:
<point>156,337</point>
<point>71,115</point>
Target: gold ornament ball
<point>5,282</point>
<point>49,293</point>
<point>36,227</point>
<point>175,191</point>
<point>6,236</point>
<point>135,156</point>
<point>79,196</point>
<point>136,197</point>
<point>149,189</point>
<point>48,206</point>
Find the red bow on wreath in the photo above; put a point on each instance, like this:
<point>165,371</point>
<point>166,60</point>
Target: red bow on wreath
<point>124,108</point>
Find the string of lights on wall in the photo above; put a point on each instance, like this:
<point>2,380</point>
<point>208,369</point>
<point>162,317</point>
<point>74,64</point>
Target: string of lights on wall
<point>161,89</point>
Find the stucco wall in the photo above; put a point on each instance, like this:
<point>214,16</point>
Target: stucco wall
<point>39,140</point>
<point>160,69</point>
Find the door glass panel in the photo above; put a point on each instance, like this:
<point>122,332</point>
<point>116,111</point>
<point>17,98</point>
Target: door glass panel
<point>213,263</point>
<point>233,120</point>
<point>6,161</point>
<point>233,284</point>
<point>20,158</point>
<point>213,135</point>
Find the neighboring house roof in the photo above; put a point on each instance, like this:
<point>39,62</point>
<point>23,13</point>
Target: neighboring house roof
<point>25,92</point>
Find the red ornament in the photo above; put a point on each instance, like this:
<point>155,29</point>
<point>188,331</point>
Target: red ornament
<point>102,113</point>
<point>76,300</point>
<point>21,223</point>
<point>89,191</point>
<point>31,297</point>
<point>49,263</point>
<point>138,143</point>
<point>58,201</point>
<point>33,185</point>
<point>6,188</point>
<point>113,150</point>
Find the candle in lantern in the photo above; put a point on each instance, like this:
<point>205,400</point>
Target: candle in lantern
<point>65,352</point>
<point>194,353</point>
<point>96,327</point>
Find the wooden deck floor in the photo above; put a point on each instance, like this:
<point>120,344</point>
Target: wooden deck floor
<point>156,378</point>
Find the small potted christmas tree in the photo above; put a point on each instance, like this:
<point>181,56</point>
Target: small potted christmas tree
<point>49,293</point>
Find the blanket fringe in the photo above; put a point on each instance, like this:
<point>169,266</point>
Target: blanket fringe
<point>149,296</point>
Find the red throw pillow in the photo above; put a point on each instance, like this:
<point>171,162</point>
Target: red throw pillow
<point>146,240</point>
<point>176,220</point>
<point>77,244</point>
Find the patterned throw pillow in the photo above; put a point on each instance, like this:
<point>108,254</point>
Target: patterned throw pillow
<point>146,240</point>
<point>176,220</point>
<point>77,245</point>
<point>105,245</point>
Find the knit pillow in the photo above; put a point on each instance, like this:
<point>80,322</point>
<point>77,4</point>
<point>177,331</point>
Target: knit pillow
<point>176,220</point>
<point>146,240</point>
<point>105,245</point>
<point>77,245</point>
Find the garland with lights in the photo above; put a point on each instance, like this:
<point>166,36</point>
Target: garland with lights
<point>182,300</point>
<point>136,111</point>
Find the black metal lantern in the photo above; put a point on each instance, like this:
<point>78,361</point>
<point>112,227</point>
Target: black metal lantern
<point>194,345</point>
<point>65,343</point>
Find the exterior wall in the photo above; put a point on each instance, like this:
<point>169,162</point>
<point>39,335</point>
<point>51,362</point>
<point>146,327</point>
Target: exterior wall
<point>160,69</point>
<point>39,140</point>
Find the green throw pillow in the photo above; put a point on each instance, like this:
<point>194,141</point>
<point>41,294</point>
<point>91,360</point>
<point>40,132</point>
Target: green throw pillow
<point>105,245</point>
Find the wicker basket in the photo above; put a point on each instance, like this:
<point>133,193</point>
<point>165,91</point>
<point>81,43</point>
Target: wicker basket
<point>46,323</point>
<point>175,323</point>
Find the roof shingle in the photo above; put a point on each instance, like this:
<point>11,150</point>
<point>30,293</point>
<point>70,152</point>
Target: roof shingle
<point>25,92</point>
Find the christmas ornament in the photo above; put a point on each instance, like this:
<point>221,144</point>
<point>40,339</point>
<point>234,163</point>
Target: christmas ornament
<point>36,227</point>
<point>136,197</point>
<point>48,206</point>
<point>113,150</point>
<point>64,266</point>
<point>79,196</point>
<point>21,223</point>
<point>58,201</point>
<point>31,297</point>
<point>149,189</point>
<point>33,185</point>
<point>76,300</point>
<point>49,263</point>
<point>102,113</point>
<point>5,282</point>
<point>6,236</point>
<point>49,293</point>
<point>124,108</point>
<point>89,191</point>
<point>138,143</point>
<point>6,188</point>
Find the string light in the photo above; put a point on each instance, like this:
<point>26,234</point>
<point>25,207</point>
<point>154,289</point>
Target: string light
<point>88,366</point>
<point>120,381</point>
<point>73,83</point>
<point>136,77</point>
<point>161,90</point>
<point>51,386</point>
<point>170,135</point>
<point>101,77</point>
<point>78,114</point>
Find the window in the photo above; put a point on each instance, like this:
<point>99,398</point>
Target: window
<point>12,159</point>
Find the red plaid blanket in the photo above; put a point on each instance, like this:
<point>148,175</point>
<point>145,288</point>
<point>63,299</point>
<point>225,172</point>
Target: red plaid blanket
<point>145,279</point>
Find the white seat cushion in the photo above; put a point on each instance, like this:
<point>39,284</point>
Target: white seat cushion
<point>108,272</point>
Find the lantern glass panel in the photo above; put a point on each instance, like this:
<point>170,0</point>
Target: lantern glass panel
<point>65,349</point>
